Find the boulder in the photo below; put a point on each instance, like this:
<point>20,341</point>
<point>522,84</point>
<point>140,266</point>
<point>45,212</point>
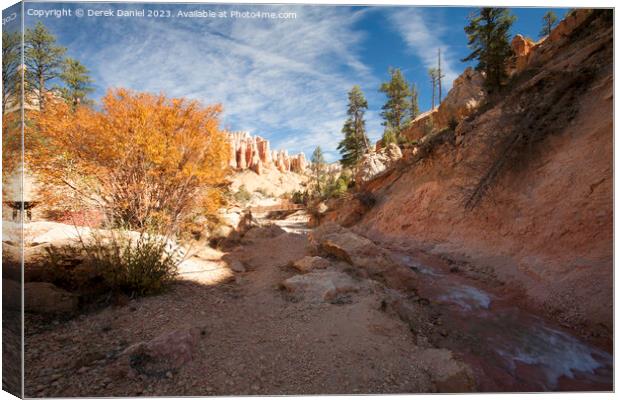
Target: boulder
<point>374,163</point>
<point>310,263</point>
<point>263,232</point>
<point>347,246</point>
<point>362,253</point>
<point>46,298</point>
<point>320,286</point>
<point>160,356</point>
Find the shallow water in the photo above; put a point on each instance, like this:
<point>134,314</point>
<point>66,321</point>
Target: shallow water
<point>509,349</point>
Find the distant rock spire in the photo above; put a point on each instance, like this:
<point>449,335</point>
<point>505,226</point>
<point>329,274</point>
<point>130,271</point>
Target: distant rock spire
<point>254,153</point>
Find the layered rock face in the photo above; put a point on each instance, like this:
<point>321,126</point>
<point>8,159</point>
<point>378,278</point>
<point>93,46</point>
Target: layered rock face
<point>545,225</point>
<point>528,53</point>
<point>253,153</point>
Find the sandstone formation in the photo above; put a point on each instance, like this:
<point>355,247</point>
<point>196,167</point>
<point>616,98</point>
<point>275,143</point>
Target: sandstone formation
<point>464,97</point>
<point>545,225</point>
<point>253,153</point>
<point>375,162</point>
<point>467,91</point>
<point>529,54</point>
<point>522,48</point>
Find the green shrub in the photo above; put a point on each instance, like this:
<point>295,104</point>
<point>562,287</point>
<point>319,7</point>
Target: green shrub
<point>142,265</point>
<point>132,263</point>
<point>242,196</point>
<point>299,197</point>
<point>338,187</point>
<point>389,136</point>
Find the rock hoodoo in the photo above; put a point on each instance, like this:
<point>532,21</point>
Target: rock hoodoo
<point>253,152</point>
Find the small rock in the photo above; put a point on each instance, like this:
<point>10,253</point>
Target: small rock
<point>310,263</point>
<point>46,298</point>
<point>237,266</point>
<point>320,286</point>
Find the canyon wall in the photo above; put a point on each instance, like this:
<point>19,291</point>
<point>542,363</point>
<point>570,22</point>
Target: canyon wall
<point>464,97</point>
<point>253,153</point>
<point>542,227</point>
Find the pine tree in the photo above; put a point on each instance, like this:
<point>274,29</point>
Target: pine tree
<point>414,109</point>
<point>488,38</point>
<point>440,74</point>
<point>43,59</point>
<point>317,167</point>
<point>549,21</point>
<point>396,110</point>
<point>11,60</point>
<point>77,83</point>
<point>355,142</point>
<point>433,74</point>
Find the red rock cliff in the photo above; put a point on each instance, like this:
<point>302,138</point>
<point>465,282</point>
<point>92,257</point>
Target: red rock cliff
<point>544,224</point>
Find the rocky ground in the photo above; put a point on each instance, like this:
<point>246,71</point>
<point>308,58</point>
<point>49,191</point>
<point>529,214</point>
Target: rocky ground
<point>326,311</point>
<point>269,330</point>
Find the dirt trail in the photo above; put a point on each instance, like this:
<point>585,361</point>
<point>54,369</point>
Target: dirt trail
<point>258,339</point>
<point>457,332</point>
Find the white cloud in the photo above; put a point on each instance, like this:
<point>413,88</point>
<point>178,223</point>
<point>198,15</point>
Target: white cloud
<point>422,32</point>
<point>283,79</point>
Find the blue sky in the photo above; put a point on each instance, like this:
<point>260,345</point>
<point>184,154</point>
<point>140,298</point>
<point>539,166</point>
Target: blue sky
<point>283,79</point>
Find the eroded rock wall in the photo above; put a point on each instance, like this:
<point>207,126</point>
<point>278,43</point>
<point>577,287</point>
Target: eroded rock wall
<point>544,227</point>
<point>253,153</point>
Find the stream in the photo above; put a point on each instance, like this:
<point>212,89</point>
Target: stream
<point>508,348</point>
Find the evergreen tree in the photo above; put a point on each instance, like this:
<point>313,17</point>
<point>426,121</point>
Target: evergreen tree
<point>396,109</point>
<point>414,109</point>
<point>317,167</point>
<point>355,142</point>
<point>11,60</point>
<point>440,74</point>
<point>549,21</point>
<point>433,73</point>
<point>488,38</point>
<point>389,136</point>
<point>77,83</point>
<point>43,59</point>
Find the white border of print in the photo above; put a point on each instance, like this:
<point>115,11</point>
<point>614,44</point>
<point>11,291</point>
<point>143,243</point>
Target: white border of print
<point>527,3</point>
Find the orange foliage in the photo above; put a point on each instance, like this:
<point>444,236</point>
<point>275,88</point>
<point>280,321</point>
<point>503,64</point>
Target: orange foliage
<point>146,159</point>
<point>11,142</point>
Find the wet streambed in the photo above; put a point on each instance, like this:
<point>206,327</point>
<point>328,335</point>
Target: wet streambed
<point>508,348</point>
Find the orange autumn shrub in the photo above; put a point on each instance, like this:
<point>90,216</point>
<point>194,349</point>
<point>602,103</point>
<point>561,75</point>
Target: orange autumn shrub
<point>146,160</point>
<point>11,142</point>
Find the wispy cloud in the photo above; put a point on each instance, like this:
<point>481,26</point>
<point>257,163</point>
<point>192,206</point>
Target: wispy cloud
<point>283,79</point>
<point>422,32</point>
